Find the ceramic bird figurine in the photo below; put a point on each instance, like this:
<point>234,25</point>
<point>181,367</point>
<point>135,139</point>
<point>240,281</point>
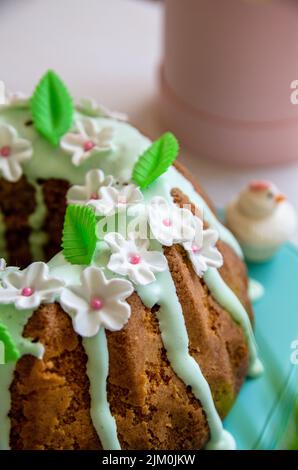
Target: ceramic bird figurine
<point>262,220</point>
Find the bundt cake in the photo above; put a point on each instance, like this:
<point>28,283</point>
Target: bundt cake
<point>137,335</point>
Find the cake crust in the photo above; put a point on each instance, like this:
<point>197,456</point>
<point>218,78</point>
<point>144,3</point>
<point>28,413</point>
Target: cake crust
<point>152,407</point>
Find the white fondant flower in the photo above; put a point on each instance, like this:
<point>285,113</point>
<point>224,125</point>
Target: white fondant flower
<point>13,151</point>
<point>202,249</point>
<point>29,288</point>
<point>97,302</point>
<point>131,258</point>
<point>17,99</point>
<point>91,108</point>
<point>13,99</point>
<point>169,224</point>
<point>112,200</point>
<point>87,140</point>
<point>3,265</point>
<point>5,270</point>
<point>94,180</point>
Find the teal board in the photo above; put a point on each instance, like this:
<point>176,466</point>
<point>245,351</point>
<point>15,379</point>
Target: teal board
<point>261,415</point>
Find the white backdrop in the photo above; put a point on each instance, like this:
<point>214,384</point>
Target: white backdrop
<point>111,50</point>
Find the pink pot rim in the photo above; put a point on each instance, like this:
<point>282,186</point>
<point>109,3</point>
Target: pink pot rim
<point>199,114</point>
<point>232,141</point>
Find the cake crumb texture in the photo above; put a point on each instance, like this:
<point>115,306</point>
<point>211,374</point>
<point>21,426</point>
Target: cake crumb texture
<point>152,407</point>
<point>17,203</point>
<point>50,406</point>
<point>54,195</point>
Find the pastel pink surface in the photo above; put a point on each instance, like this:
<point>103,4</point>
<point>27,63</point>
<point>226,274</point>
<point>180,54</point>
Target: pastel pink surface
<point>226,76</point>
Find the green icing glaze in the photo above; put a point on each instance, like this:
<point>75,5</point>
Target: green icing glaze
<point>37,242</point>
<point>219,289</point>
<point>36,219</point>
<point>175,340</point>
<point>230,302</point>
<point>37,238</point>
<point>53,162</point>
<point>96,349</point>
<point>3,253</point>
<point>98,361</point>
<point>62,269</point>
<point>15,321</point>
<point>6,377</point>
<point>49,162</point>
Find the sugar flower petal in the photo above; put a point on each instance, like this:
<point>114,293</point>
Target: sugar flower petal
<point>28,288</point>
<point>90,107</point>
<point>132,258</point>
<point>87,140</point>
<point>14,99</point>
<point>97,302</point>
<point>202,250</point>
<point>169,224</point>
<point>112,200</point>
<point>94,180</point>
<point>13,152</point>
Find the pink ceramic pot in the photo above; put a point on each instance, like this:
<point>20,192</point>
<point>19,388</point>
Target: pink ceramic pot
<point>226,78</point>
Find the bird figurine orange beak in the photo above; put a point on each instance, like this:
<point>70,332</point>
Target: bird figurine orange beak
<point>280,198</point>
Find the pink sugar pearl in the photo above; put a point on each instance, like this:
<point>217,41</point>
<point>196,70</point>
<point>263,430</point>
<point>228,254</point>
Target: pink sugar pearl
<point>195,249</point>
<point>5,151</point>
<point>88,145</point>
<point>94,196</point>
<point>27,291</point>
<point>167,222</point>
<point>134,259</point>
<point>96,303</point>
<point>121,200</point>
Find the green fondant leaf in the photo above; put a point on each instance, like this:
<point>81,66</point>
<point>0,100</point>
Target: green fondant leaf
<point>52,108</point>
<point>79,234</point>
<point>155,160</point>
<point>11,352</point>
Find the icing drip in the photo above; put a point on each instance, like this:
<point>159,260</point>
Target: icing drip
<point>16,322</point>
<point>51,162</point>
<point>175,340</point>
<point>219,289</point>
<point>37,238</point>
<point>96,349</point>
<point>128,144</point>
<point>3,251</point>
<point>255,290</point>
<point>230,302</point>
<point>98,361</point>
<point>6,377</point>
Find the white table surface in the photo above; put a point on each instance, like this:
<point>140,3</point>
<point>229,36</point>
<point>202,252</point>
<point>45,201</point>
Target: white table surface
<point>111,50</point>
